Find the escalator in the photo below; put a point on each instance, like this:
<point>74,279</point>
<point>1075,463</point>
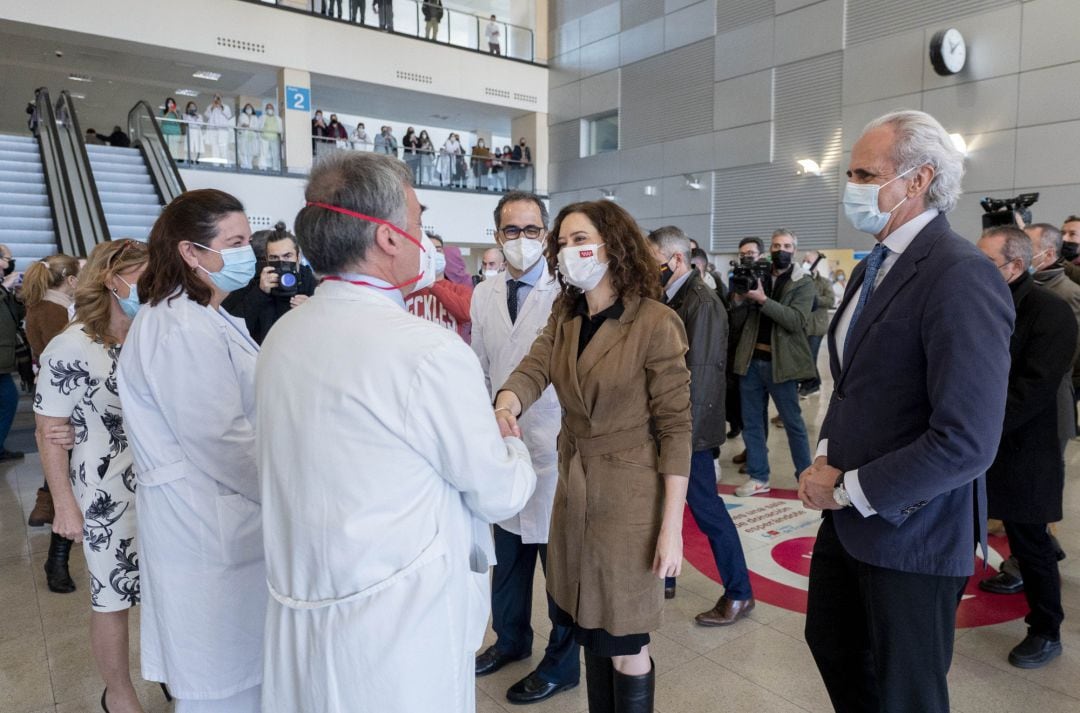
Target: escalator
<point>26,220</point>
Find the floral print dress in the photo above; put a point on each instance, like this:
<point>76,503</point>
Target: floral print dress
<point>78,381</point>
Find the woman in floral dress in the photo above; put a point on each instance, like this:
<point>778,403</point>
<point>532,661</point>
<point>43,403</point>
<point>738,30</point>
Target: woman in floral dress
<point>95,497</point>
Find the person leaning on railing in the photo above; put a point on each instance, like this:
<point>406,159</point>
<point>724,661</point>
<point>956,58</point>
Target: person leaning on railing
<point>270,155</point>
<point>170,129</point>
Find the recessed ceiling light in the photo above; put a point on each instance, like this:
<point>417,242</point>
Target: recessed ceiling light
<point>203,74</point>
<point>187,93</point>
<point>80,78</point>
<point>77,95</point>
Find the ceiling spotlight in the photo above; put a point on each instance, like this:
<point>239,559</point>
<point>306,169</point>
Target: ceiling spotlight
<point>692,181</point>
<point>650,190</point>
<point>959,142</point>
<point>77,95</point>
<point>203,74</point>
<point>80,78</point>
<point>609,194</point>
<point>187,93</point>
<point>808,166</point>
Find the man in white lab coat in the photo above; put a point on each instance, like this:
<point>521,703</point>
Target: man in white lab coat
<point>508,312</point>
<point>381,466</point>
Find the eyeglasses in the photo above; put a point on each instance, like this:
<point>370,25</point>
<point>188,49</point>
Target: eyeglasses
<point>513,232</point>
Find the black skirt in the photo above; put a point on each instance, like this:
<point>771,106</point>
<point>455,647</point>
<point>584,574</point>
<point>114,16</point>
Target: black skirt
<point>600,642</point>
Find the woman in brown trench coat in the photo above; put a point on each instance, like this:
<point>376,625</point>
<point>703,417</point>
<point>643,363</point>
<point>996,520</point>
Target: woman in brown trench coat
<point>616,358</point>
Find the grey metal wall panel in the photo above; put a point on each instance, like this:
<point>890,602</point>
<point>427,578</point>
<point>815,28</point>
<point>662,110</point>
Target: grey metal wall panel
<point>991,162</point>
<point>565,143</point>
<point>871,19</point>
<point>1049,33</point>
<point>599,24</point>
<point>898,57</point>
<point>744,100</point>
<point>976,107</point>
<point>810,31</point>
<point>600,56</point>
<point>733,13</point>
<point>600,93</point>
<point>690,25</point>
<point>1042,99</point>
<point>1048,155</point>
<point>993,47</point>
<point>668,96</point>
<point>744,146</point>
<point>756,200</point>
<point>642,41</point>
<point>744,50</point>
<point>638,12</point>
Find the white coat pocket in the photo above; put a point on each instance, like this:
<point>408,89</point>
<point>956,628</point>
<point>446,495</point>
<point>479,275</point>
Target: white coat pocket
<point>239,529</point>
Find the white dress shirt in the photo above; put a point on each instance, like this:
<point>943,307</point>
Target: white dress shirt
<point>897,242</point>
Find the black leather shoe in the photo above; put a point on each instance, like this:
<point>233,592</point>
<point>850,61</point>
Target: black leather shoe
<point>533,689</point>
<point>1034,652</point>
<point>1002,583</point>
<point>669,588</point>
<point>492,660</point>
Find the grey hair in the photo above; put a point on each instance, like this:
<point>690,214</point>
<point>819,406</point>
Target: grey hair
<point>1049,236</point>
<point>921,140</point>
<point>1017,244</point>
<point>514,197</point>
<point>369,183</point>
<point>788,232</point>
<point>671,240</point>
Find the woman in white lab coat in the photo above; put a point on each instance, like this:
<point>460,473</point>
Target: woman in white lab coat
<point>270,156</point>
<point>219,131</point>
<point>247,136</point>
<point>186,381</point>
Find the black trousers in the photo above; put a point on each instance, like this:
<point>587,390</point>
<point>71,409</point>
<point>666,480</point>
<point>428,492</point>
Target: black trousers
<point>882,639</point>
<point>1035,552</point>
<point>511,609</point>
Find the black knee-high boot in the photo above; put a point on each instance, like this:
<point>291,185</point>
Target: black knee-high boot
<point>56,566</point>
<point>634,694</point>
<point>599,682</point>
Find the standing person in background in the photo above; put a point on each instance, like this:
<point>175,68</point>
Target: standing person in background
<point>270,151</point>
<point>452,150</point>
<point>481,154</point>
<point>194,130</point>
<point>433,13</point>
<point>171,130</point>
<point>818,324</point>
<point>248,136</point>
<point>95,490</point>
<point>219,119</point>
<point>48,292</point>
<point>493,35</point>
<point>838,286</point>
<point>427,160</point>
<point>11,317</point>
<point>700,261</point>
<point>411,142</point>
<point>446,302</point>
<point>492,263</point>
<point>328,8</point>
<point>522,156</point>
<point>507,313</point>
<point>498,180</point>
<point>187,383</point>
<point>319,132</point>
<point>354,7</point>
<point>385,8</point>
<point>337,132</point>
<point>360,140</point>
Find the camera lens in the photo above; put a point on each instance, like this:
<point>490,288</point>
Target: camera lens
<point>288,279</point>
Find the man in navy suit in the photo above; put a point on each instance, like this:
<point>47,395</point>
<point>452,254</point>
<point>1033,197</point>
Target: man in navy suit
<point>919,352</point>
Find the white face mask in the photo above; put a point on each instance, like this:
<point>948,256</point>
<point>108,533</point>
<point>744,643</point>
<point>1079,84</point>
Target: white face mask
<point>523,253</point>
<point>490,274</point>
<point>427,264</point>
<point>581,267</point>
<point>861,205</point>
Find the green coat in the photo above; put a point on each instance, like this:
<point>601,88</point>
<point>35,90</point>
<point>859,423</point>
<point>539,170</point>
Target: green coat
<point>818,324</point>
<point>789,311</point>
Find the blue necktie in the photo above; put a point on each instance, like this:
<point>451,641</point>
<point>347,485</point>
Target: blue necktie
<point>873,264</point>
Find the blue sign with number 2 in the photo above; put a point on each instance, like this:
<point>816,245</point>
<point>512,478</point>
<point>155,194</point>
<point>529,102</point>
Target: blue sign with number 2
<point>298,98</point>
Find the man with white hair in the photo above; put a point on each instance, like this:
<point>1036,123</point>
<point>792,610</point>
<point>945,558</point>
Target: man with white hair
<point>381,468</point>
<point>919,352</point>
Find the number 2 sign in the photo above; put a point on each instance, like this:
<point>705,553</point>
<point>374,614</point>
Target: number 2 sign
<point>298,98</point>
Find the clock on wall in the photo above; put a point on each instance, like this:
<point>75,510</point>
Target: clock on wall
<point>948,51</point>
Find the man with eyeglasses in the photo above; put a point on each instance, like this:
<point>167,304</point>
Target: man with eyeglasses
<point>508,312</point>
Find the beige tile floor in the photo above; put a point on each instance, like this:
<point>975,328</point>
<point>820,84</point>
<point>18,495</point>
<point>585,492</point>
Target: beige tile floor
<point>759,665</point>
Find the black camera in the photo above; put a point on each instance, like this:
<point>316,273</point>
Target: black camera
<point>748,271</point>
<point>1003,211</point>
<point>288,278</point>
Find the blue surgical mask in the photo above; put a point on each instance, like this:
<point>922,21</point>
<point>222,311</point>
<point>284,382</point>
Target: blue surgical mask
<point>861,205</point>
<point>129,304</point>
<point>440,262</point>
<point>237,271</point>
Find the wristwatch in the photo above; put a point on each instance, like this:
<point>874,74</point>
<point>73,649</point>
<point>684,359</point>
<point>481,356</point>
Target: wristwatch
<point>840,493</point>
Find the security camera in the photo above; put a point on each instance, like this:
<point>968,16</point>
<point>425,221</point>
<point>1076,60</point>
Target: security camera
<point>58,53</point>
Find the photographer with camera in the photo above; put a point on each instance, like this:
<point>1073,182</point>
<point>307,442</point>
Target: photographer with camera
<point>280,284</point>
<point>773,355</point>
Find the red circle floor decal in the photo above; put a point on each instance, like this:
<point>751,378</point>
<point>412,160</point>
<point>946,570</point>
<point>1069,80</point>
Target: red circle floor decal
<point>778,535</point>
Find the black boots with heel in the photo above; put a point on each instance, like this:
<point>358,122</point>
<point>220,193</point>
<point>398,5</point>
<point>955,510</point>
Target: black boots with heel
<point>56,566</point>
<point>612,692</point>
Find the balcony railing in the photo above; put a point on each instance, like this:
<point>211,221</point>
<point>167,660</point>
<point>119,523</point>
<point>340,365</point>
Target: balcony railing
<point>197,143</point>
<point>457,28</point>
<point>441,169</point>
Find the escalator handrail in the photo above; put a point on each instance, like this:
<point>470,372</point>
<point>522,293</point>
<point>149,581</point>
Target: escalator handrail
<point>100,231</point>
<point>159,148</point>
<point>61,197</point>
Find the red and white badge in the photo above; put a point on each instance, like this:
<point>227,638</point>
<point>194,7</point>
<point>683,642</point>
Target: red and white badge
<point>778,534</point>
